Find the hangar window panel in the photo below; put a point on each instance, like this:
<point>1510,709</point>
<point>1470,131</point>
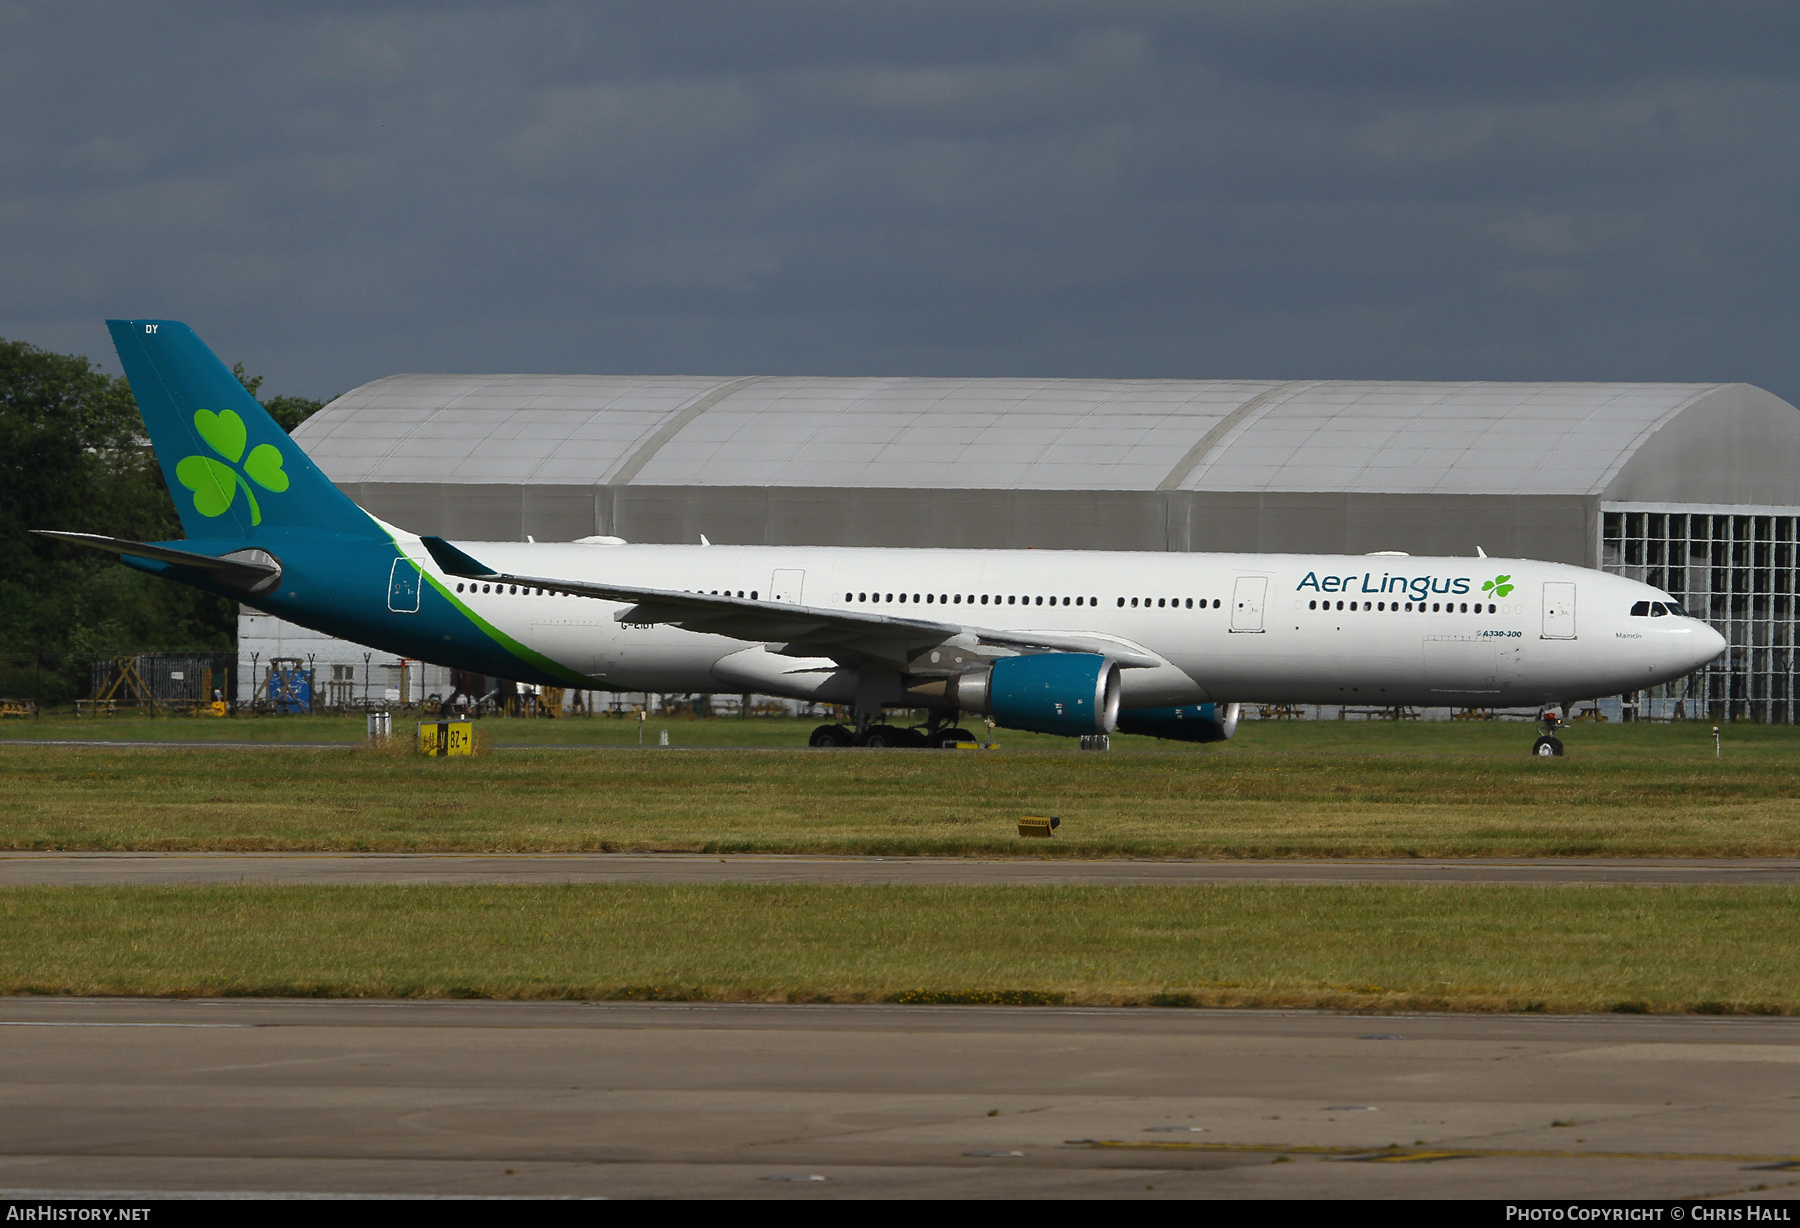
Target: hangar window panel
<point>1736,572</point>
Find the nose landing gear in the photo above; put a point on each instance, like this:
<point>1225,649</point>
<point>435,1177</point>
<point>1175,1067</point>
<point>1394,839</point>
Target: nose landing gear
<point>1548,744</point>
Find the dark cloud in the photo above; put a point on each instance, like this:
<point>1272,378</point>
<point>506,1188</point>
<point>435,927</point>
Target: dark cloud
<point>1411,190</point>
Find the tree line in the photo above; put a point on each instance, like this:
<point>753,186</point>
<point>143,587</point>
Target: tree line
<point>74,455</point>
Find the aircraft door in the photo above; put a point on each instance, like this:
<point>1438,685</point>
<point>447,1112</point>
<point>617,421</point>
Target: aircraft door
<point>403,587</point>
<point>787,584</point>
<point>1247,601</point>
<point>1559,610</point>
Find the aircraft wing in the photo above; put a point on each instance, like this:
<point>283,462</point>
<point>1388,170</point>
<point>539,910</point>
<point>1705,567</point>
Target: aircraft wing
<point>804,630</point>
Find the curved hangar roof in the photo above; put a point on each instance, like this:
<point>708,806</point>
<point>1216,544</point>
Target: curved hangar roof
<point>1710,443</point>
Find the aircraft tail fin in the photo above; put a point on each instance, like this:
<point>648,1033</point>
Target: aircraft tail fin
<point>231,468</point>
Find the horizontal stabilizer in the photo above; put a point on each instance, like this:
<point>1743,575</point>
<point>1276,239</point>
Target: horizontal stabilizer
<point>249,570</point>
<point>453,561</point>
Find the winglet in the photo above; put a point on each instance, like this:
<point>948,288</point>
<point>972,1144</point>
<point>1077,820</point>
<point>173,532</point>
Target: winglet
<point>454,561</point>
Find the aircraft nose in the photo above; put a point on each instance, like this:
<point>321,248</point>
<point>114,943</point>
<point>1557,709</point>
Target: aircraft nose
<point>1708,644</point>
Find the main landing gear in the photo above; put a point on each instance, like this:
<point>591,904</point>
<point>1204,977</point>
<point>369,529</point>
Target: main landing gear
<point>888,736</point>
<point>1548,744</point>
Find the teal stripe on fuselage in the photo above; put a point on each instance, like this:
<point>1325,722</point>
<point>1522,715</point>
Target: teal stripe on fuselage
<point>339,585</point>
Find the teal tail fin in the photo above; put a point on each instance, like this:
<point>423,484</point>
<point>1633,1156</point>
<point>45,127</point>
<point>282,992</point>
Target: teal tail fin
<point>231,468</point>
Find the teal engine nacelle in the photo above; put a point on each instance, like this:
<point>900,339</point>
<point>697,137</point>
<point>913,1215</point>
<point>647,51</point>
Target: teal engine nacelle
<point>1067,693</point>
<point>1193,723</point>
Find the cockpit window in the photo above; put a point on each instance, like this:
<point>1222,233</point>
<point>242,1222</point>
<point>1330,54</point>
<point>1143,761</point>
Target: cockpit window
<point>1675,609</point>
<point>1641,610</point>
<point>1658,609</point>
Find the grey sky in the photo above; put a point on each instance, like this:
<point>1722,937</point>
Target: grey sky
<point>333,193</point>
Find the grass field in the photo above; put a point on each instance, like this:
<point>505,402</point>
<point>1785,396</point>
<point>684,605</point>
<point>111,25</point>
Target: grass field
<point>1559,949</point>
<point>574,731</point>
<point>1503,738</point>
<point>1279,789</point>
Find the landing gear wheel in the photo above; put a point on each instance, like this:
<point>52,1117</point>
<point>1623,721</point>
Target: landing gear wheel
<point>1548,746</point>
<point>831,735</point>
<point>880,736</point>
<point>948,738</point>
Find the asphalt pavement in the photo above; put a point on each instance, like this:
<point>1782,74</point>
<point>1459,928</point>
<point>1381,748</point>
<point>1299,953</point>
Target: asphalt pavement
<point>69,869</point>
<point>670,1099</point>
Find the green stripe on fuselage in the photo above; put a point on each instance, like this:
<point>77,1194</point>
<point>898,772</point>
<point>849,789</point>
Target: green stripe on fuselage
<point>518,651</point>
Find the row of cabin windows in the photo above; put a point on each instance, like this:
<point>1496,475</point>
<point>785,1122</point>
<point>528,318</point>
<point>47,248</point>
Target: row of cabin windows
<point>971,599</point>
<point>1172,602</point>
<point>925,599</point>
<point>998,599</point>
<point>512,589</point>
<point>1393,607</point>
<point>1643,609</point>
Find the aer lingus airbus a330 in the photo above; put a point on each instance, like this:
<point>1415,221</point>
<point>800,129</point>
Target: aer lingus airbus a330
<point>1060,642</point>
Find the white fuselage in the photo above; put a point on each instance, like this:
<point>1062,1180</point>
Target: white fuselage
<point>1270,628</point>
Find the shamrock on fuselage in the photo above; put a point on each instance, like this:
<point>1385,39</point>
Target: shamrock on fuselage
<point>214,482</point>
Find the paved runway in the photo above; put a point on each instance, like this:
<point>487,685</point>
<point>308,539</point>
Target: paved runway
<point>633,1100</point>
<point>68,869</point>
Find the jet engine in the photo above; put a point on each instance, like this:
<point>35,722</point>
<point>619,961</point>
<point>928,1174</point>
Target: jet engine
<point>1068,693</point>
<point>1193,723</point>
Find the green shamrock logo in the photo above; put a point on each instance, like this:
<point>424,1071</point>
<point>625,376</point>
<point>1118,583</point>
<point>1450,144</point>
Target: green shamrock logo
<point>1499,586</point>
<point>215,483</point>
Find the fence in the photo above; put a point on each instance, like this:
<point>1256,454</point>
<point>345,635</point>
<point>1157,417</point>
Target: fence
<point>153,683</point>
<point>172,683</point>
